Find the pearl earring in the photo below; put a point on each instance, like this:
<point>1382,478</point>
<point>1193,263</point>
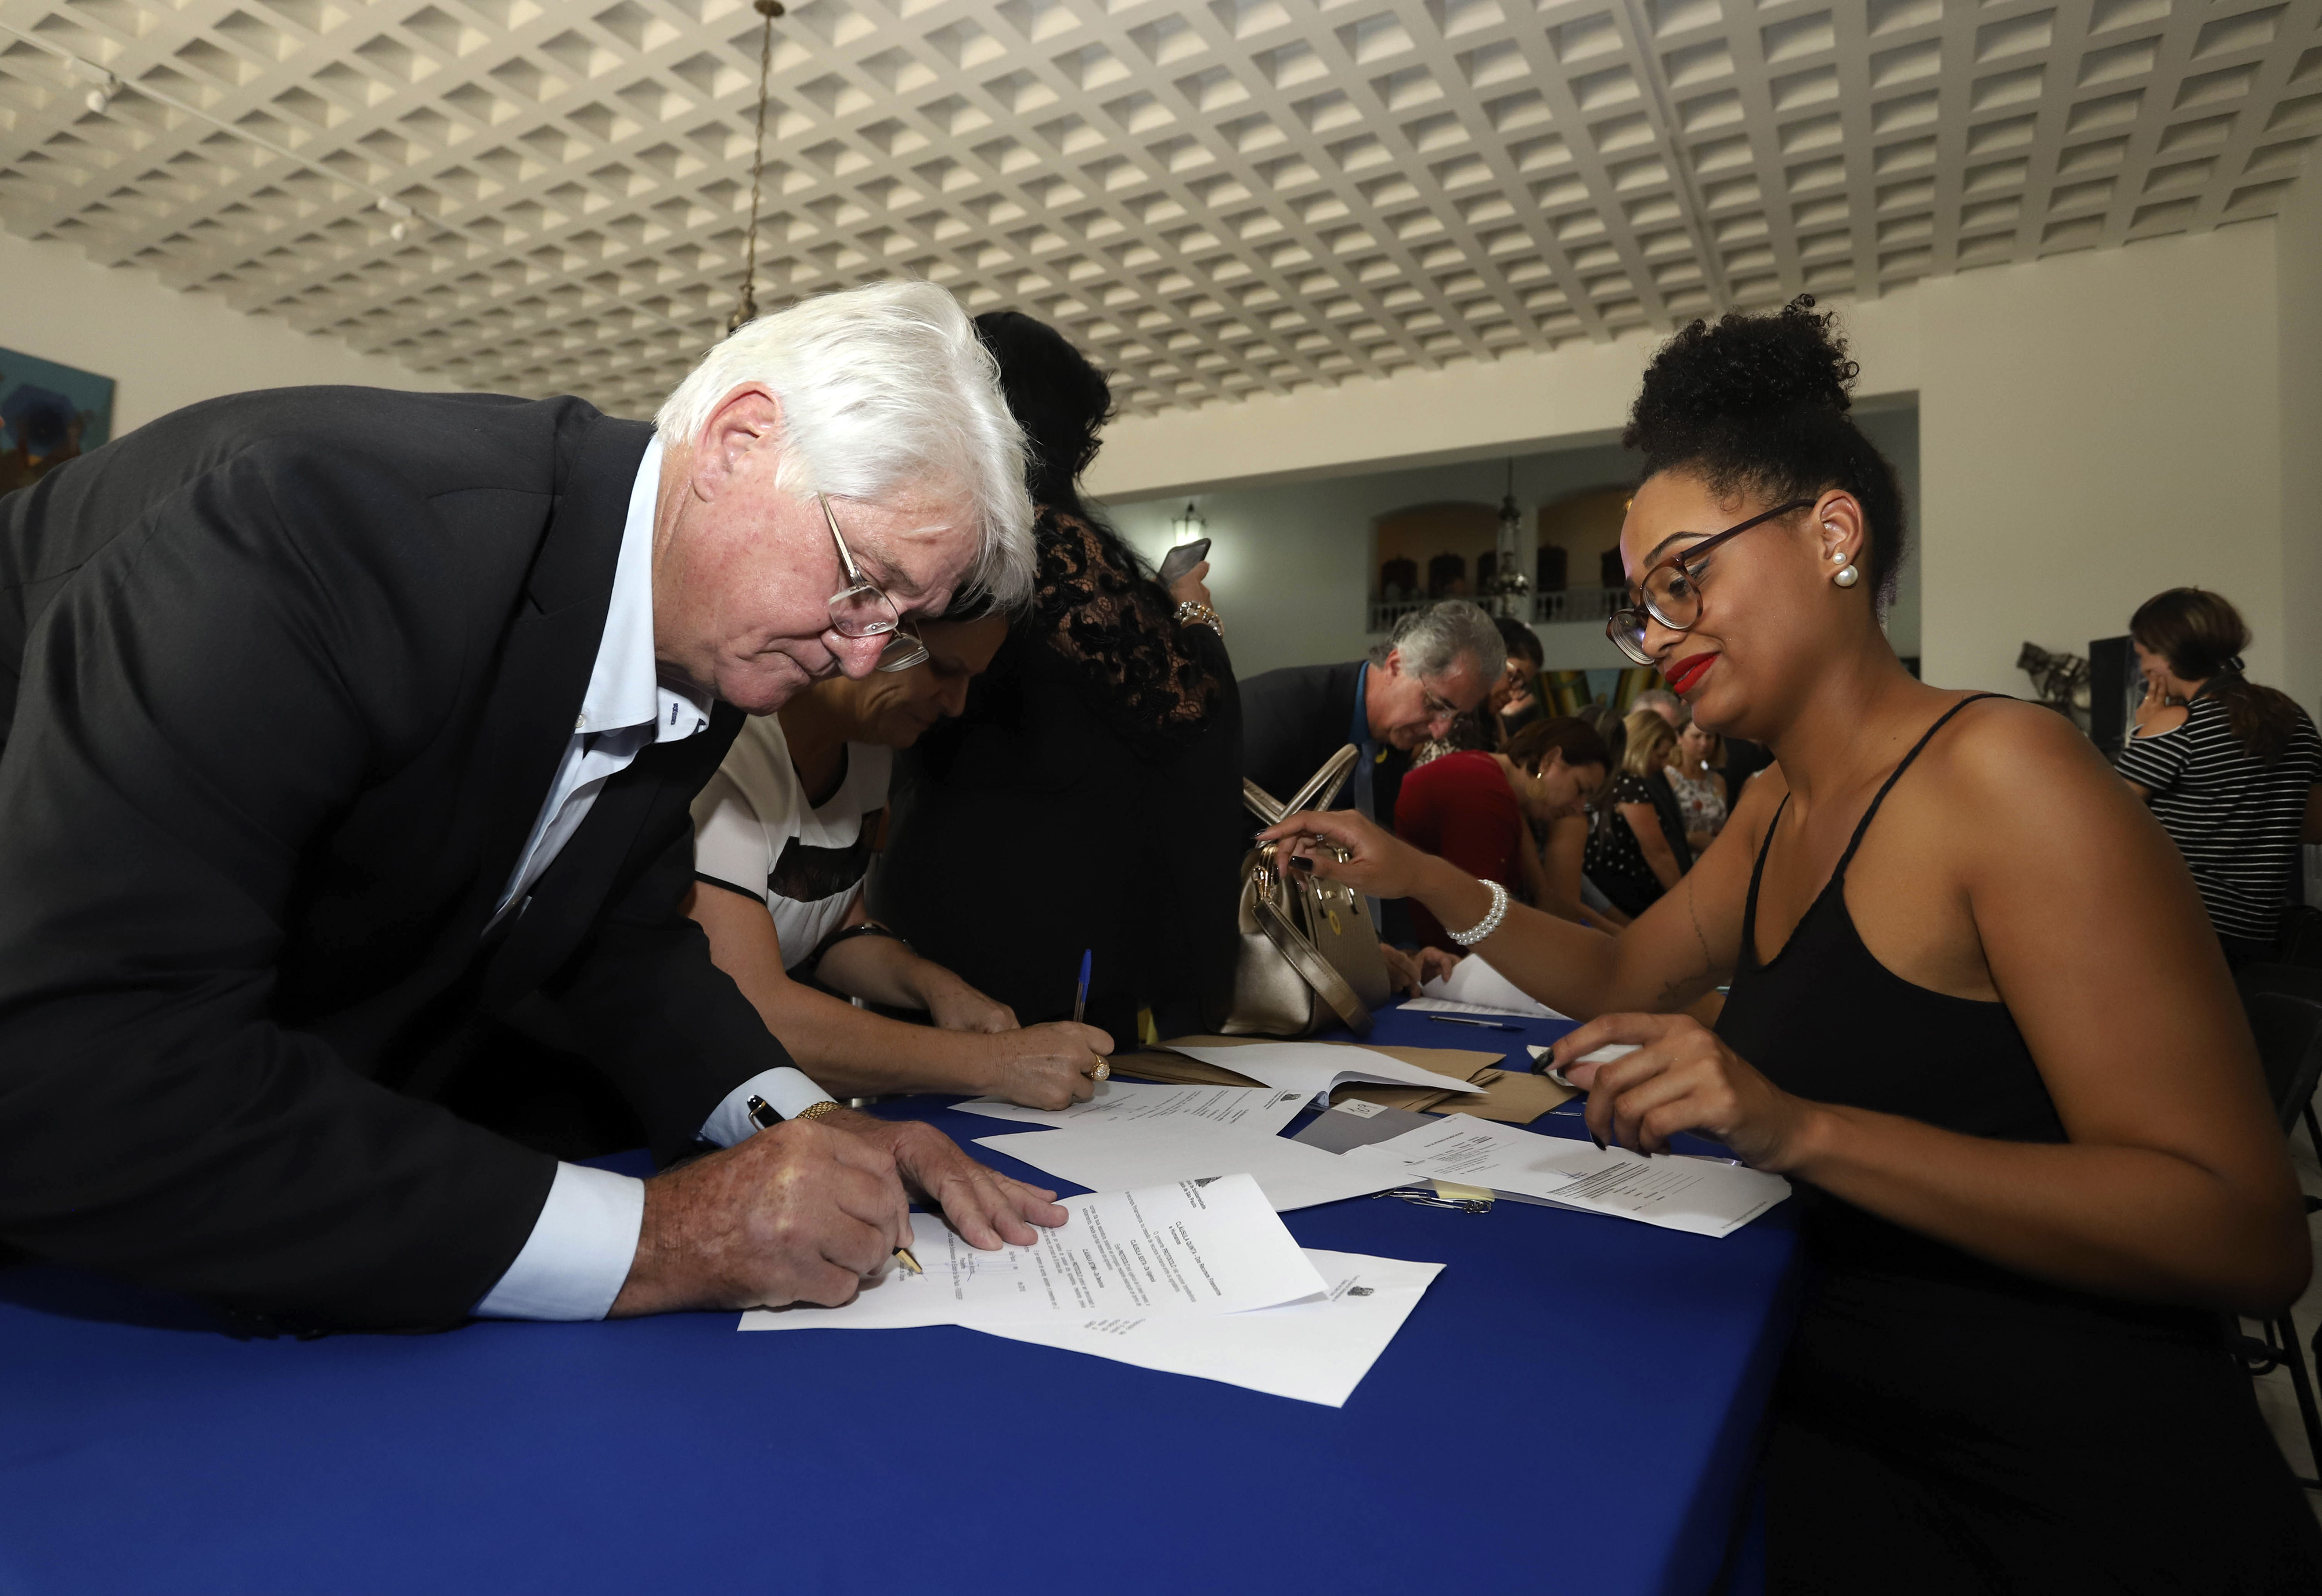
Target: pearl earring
<point>1847,577</point>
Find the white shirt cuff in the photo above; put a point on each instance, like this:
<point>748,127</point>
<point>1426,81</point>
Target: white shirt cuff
<point>787,1091</point>
<point>580,1251</point>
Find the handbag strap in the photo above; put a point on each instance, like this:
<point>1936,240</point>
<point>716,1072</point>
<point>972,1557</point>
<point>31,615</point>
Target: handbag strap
<point>1260,802</point>
<point>1321,789</point>
<point>1317,972</point>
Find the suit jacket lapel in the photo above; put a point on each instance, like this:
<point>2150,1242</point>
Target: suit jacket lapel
<point>543,671</point>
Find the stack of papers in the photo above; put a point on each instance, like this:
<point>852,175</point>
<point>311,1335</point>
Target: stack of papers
<point>1398,1077</point>
<point>1704,1195</point>
<point>1192,1247</point>
<point>1260,1108</point>
<point>1316,1352</point>
<point>1317,1067</point>
<point>1197,1278</point>
<point>1473,987</point>
<point>1115,1157</point>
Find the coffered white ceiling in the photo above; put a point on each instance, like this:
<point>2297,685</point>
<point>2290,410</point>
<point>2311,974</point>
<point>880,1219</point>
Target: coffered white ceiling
<point>1213,198</point>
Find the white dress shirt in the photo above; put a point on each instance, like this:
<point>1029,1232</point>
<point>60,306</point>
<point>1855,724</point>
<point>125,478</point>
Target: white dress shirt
<point>575,1262</point>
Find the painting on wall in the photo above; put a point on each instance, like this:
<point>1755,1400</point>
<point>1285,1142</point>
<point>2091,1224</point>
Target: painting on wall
<point>48,414</point>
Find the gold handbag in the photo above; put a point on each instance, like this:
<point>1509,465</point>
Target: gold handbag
<point>1309,955</point>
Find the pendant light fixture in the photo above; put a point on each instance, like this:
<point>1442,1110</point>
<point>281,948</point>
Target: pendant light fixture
<point>745,308</point>
<point>1509,592</point>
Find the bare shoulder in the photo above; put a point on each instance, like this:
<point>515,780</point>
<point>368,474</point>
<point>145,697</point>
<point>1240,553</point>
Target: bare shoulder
<point>1998,748</point>
<point>2014,778</point>
<point>1754,805</point>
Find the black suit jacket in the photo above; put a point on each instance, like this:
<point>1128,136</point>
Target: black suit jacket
<point>284,680</point>
<point>1295,718</point>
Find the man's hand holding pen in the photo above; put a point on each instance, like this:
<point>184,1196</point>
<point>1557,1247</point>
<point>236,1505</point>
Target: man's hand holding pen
<point>806,1211</point>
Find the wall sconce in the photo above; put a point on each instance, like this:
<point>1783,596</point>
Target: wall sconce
<point>1187,527</point>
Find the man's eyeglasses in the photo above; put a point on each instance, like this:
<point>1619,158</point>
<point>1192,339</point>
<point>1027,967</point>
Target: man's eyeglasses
<point>1670,592</point>
<point>861,610</point>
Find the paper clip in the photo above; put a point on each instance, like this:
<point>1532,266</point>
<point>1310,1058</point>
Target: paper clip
<point>1420,1197</point>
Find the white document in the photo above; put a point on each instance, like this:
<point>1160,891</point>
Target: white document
<point>1708,1196</point>
<point>1473,987</point>
<point>1317,1068</point>
<point>1123,1157</point>
<point>1191,1247</point>
<point>1313,1351</point>
<point>1260,1108</point>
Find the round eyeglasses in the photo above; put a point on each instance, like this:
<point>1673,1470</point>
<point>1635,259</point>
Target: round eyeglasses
<point>860,609</point>
<point>1670,592</point>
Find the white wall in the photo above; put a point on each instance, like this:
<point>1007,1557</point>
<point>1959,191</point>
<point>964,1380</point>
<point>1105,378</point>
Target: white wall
<point>2091,428</point>
<point>2298,270</point>
<point>2095,427</point>
<point>162,347</point>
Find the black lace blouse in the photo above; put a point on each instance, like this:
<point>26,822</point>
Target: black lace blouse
<point>1089,798</point>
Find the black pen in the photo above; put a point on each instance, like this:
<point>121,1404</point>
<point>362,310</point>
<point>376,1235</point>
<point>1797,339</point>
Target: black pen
<point>763,1115</point>
<point>1481,1024</point>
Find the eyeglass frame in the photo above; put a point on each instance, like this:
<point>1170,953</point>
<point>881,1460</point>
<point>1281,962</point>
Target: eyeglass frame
<point>1683,560</point>
<point>912,650</point>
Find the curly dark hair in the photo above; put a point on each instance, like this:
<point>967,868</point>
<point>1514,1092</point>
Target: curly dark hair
<point>1758,405</point>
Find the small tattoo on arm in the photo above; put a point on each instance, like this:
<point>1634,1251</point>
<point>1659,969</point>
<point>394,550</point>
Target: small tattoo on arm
<point>1708,960</point>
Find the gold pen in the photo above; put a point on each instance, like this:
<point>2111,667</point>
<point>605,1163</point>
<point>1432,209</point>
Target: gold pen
<point>763,1115</point>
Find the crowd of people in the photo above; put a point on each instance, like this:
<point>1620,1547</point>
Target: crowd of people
<point>880,727</point>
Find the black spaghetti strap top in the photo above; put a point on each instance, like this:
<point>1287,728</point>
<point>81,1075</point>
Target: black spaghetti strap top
<point>1945,1424</point>
<point>1825,1020</point>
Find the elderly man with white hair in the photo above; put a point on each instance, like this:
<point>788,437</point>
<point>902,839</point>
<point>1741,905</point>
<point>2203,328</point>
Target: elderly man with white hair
<point>345,754</point>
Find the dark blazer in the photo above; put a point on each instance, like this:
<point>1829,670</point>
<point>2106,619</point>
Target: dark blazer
<point>284,680</point>
<point>1294,718</point>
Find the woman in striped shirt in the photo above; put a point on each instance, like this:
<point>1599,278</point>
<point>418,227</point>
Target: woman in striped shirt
<point>2232,770</point>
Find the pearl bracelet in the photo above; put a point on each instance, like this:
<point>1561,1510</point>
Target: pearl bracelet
<point>1489,923</point>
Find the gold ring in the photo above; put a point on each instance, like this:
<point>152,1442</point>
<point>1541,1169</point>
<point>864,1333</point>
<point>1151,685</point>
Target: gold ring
<point>1103,1071</point>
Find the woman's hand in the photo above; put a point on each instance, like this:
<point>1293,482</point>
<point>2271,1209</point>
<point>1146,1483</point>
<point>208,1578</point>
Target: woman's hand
<point>953,1005</point>
<point>1378,864</point>
<point>1407,972</point>
<point>1189,588</point>
<point>1682,1078</point>
<point>2157,698</point>
<point>1050,1066</point>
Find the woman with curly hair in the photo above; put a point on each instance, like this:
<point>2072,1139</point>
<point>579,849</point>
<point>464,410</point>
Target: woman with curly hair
<point>1977,1016</point>
<point>1089,797</point>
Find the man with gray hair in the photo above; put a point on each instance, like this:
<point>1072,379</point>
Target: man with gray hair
<point>1436,666</point>
<point>345,772</point>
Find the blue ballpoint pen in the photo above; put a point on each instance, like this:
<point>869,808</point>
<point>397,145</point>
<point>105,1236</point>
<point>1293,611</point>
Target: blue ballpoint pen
<point>1080,999</point>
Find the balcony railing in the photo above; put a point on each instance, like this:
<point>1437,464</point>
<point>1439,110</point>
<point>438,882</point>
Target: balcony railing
<point>1570,604</point>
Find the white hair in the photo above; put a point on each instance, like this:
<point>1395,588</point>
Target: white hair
<point>881,386</point>
<point>1433,639</point>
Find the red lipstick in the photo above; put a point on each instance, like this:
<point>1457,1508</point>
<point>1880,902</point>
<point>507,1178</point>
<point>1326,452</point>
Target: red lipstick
<point>1682,676</point>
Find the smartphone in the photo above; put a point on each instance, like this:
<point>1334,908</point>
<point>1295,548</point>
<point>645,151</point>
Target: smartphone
<point>1183,559</point>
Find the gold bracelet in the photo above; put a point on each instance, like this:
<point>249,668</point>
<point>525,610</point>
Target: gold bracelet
<point>1201,615</point>
<point>817,1111</point>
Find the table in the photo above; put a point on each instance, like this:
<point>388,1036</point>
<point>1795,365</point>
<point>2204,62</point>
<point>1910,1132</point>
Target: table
<point>1572,1408</point>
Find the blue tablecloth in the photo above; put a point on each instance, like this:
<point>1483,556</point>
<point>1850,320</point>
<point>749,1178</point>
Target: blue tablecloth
<point>1573,1408</point>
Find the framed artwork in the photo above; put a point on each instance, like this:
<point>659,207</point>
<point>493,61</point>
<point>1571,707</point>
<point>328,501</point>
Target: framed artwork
<point>48,414</point>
